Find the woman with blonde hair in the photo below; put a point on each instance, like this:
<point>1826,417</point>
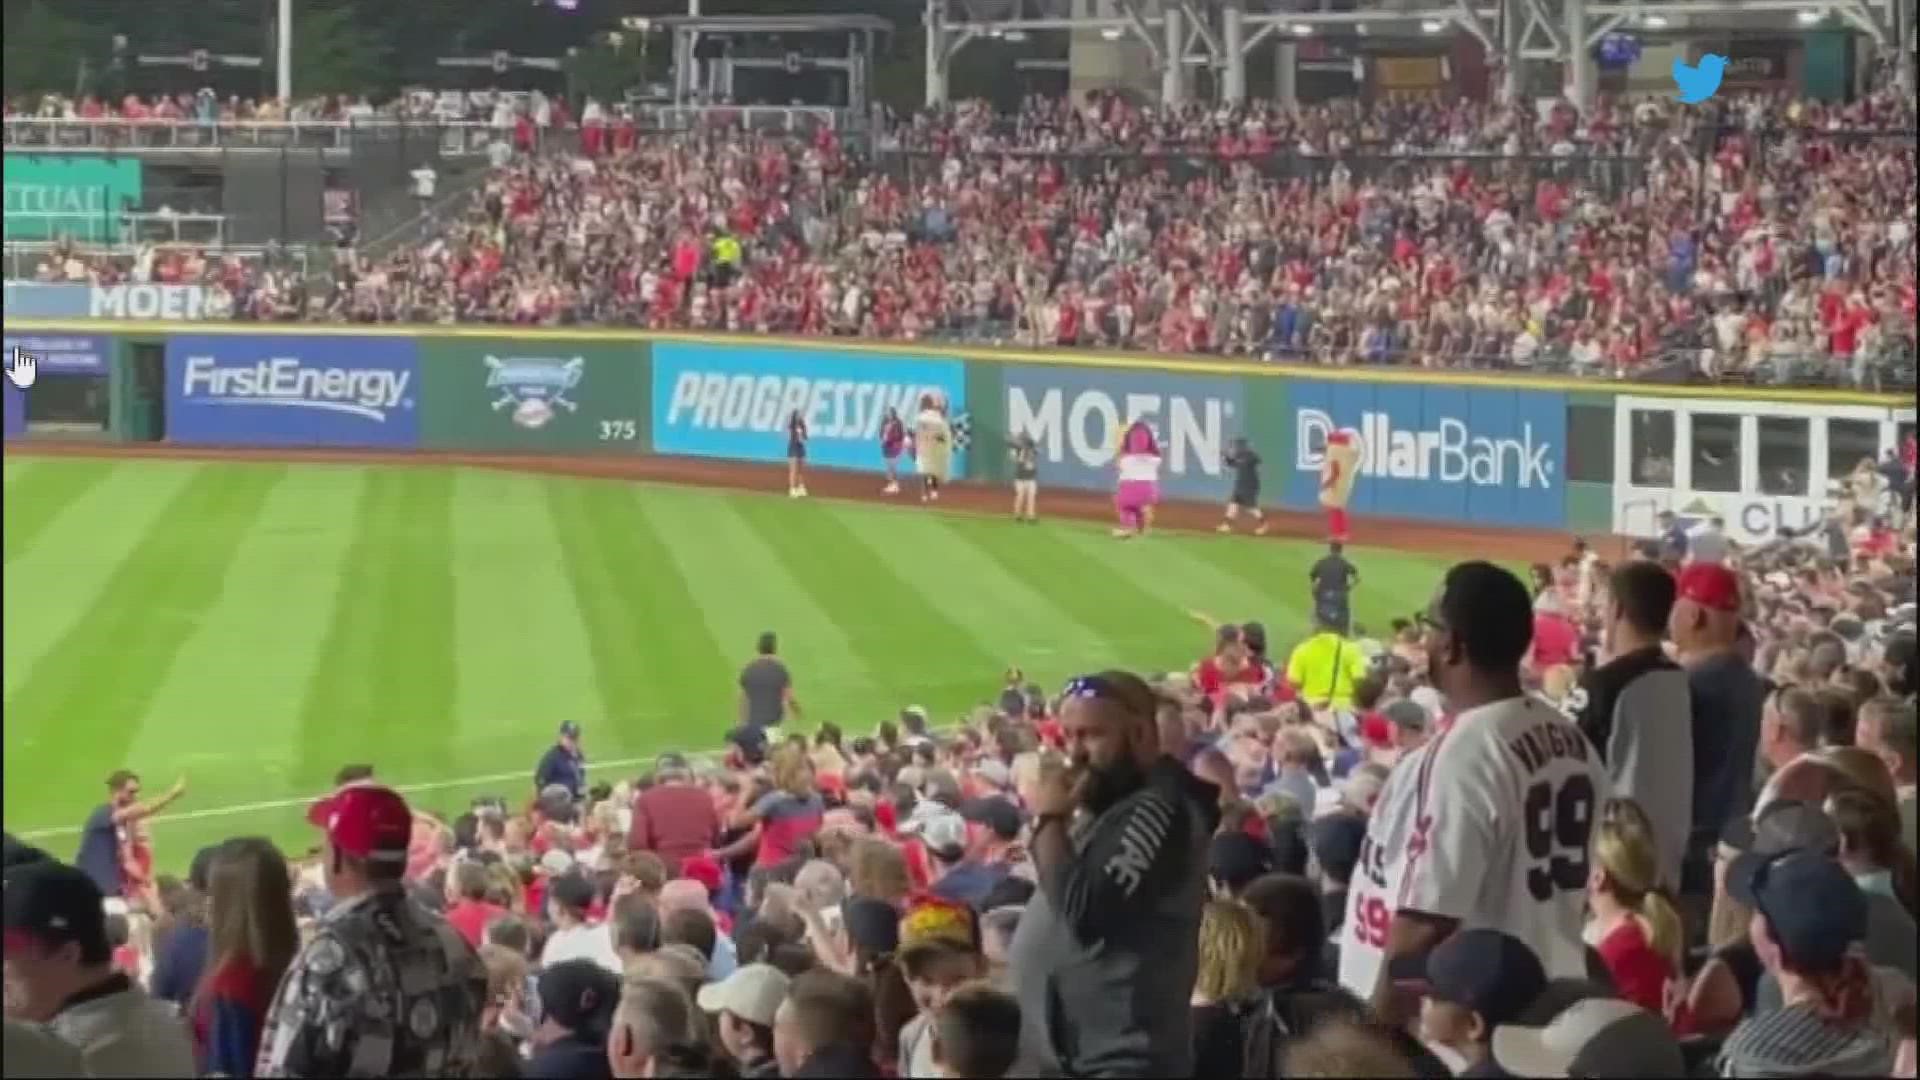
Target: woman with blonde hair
<point>787,816</point>
<point>1226,991</point>
<point>1634,927</point>
<point>252,938</point>
<point>878,871</point>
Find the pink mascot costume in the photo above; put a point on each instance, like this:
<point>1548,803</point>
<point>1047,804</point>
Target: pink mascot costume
<point>1139,489</point>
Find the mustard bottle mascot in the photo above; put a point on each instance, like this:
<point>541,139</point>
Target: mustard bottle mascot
<point>1337,474</point>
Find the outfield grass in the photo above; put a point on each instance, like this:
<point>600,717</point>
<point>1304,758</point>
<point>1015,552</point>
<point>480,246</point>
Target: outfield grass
<point>255,626</point>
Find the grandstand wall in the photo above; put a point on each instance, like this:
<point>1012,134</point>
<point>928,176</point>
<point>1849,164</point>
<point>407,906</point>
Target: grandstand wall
<point>1501,450</point>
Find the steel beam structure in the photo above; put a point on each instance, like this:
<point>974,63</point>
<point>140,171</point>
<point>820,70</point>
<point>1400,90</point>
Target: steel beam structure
<point>1219,34</point>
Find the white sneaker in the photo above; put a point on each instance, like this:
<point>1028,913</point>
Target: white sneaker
<point>800,492</point>
<point>935,496</point>
<point>890,489</point>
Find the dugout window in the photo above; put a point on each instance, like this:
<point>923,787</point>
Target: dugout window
<point>1651,446</point>
<point>1847,442</point>
<point>1715,452</point>
<point>71,403</point>
<point>1786,455</point>
<point>1590,444</point>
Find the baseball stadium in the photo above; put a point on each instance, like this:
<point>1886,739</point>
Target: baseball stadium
<point>964,538</point>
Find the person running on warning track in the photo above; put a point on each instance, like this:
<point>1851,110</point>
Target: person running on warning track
<point>932,447</point>
<point>796,455</point>
<point>893,439</point>
<point>1026,479</point>
<point>1138,489</point>
<point>1245,463</point>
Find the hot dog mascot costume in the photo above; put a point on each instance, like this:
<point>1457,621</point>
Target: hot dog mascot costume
<point>1338,470</point>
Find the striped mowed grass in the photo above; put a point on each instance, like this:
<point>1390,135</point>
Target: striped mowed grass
<point>254,626</point>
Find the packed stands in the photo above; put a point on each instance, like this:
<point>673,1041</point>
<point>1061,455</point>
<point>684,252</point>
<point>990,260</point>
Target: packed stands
<point>1442,234</point>
<point>886,881</point>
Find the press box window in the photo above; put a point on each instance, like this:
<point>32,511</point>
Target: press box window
<point>1590,444</point>
<point>1650,442</point>
<point>1716,452</point>
<point>1786,455</point>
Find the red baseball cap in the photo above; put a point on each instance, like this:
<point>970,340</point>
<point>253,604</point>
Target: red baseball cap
<point>1711,586</point>
<point>1376,731</point>
<point>365,821</point>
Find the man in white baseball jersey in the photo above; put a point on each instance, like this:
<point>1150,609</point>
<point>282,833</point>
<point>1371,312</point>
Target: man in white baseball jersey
<point>1487,824</point>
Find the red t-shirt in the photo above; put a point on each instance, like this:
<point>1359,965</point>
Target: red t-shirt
<point>1213,681</point>
<point>1555,641</point>
<point>471,917</point>
<point>1640,975</point>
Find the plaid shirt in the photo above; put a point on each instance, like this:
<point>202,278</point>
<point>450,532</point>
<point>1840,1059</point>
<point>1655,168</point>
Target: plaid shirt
<point>383,989</point>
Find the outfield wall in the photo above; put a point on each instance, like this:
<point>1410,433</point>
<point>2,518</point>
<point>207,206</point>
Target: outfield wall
<point>1484,450</point>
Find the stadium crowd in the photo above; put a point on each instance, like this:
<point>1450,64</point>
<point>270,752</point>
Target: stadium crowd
<point>1766,239</point>
<point>1635,818</point>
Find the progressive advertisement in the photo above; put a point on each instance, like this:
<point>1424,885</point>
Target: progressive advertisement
<point>513,395</point>
<point>293,391</point>
<point>729,401</point>
<point>76,195</point>
<point>1076,416</point>
<point>1467,454</point>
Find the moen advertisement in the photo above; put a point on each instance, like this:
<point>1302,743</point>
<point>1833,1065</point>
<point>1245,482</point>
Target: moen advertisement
<point>511,395</point>
<point>1076,417</point>
<point>145,300</point>
<point>1485,456</point>
<point>292,391</point>
<point>63,354</point>
<point>734,401</point>
<point>75,195</point>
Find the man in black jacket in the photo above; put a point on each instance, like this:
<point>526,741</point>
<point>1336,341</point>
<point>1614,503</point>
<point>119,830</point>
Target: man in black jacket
<point>1636,709</point>
<point>1108,948</point>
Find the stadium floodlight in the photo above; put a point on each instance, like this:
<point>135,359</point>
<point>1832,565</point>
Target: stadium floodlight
<point>1431,26</point>
<point>1654,22</point>
<point>1808,17</point>
<point>1302,30</point>
<point>1112,33</point>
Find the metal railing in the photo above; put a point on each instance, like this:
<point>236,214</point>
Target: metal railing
<point>127,226</point>
<point>455,137</point>
<point>766,119</point>
<point>20,259</point>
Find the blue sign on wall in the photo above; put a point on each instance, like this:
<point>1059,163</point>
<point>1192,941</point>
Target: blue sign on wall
<point>63,354</point>
<point>292,391</point>
<point>1486,456</point>
<point>16,408</point>
<point>730,401</point>
<point>1076,417</point>
<point>134,300</point>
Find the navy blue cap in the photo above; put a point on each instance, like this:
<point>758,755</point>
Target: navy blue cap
<point>569,730</point>
<point>1813,908</point>
<point>1234,859</point>
<point>1336,842</point>
<point>1491,973</point>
